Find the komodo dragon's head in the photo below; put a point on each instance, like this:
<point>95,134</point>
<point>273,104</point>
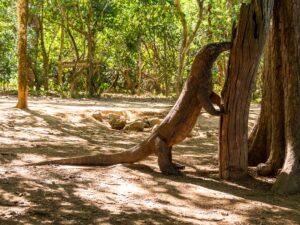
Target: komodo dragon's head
<point>208,55</point>
<point>212,51</point>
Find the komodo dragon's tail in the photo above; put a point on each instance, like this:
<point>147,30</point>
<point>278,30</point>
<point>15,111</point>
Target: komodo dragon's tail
<point>135,154</point>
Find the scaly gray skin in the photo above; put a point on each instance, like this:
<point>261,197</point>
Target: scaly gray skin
<point>176,126</point>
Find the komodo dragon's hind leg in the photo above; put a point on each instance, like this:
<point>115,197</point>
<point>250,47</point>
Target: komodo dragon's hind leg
<point>164,154</point>
<point>176,165</point>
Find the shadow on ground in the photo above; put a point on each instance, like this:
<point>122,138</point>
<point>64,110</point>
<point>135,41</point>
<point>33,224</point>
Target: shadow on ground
<point>120,194</point>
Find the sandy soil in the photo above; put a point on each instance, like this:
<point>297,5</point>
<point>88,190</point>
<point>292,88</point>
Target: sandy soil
<point>120,194</point>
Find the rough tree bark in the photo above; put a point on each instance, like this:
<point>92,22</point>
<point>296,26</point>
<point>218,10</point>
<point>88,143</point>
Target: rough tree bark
<point>248,43</point>
<point>266,141</point>
<point>277,133</point>
<point>288,180</point>
<point>177,125</point>
<point>22,12</point>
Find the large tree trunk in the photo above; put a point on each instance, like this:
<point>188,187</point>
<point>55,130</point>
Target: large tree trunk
<point>278,134</point>
<point>179,122</point>
<point>266,142</point>
<point>22,11</point>
<point>248,43</point>
<point>288,180</point>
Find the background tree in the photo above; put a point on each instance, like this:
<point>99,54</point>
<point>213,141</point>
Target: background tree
<point>124,46</point>
<point>188,36</point>
<point>288,180</point>
<point>266,141</point>
<point>277,132</point>
<point>22,9</point>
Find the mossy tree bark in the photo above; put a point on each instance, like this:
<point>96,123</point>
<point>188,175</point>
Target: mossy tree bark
<point>22,11</point>
<point>248,43</point>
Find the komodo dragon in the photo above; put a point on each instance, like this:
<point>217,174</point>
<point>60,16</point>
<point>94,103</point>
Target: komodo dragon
<point>176,126</point>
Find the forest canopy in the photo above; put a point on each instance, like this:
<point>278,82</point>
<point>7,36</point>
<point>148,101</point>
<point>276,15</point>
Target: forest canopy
<point>78,48</point>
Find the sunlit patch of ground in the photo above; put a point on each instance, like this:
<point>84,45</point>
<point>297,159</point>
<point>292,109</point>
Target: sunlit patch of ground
<point>120,194</point>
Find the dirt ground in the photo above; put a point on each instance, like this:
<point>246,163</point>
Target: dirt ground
<point>120,194</point>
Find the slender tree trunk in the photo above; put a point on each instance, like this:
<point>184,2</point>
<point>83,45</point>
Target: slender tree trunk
<point>130,85</point>
<point>165,71</point>
<point>288,180</point>
<point>248,43</point>
<point>73,83</point>
<point>182,51</point>
<point>33,57</point>
<point>36,56</point>
<point>60,57</point>
<point>91,54</point>
<point>44,53</point>
<point>22,12</point>
<point>73,42</point>
<point>72,76</point>
<point>209,20</point>
<point>139,68</point>
<point>186,40</point>
<point>45,63</point>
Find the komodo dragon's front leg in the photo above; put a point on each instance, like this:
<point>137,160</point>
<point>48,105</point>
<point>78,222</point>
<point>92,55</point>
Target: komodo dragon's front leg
<point>207,101</point>
<point>216,99</point>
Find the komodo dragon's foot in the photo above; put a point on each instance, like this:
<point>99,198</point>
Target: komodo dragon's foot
<point>165,163</point>
<point>171,170</point>
<point>178,166</point>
